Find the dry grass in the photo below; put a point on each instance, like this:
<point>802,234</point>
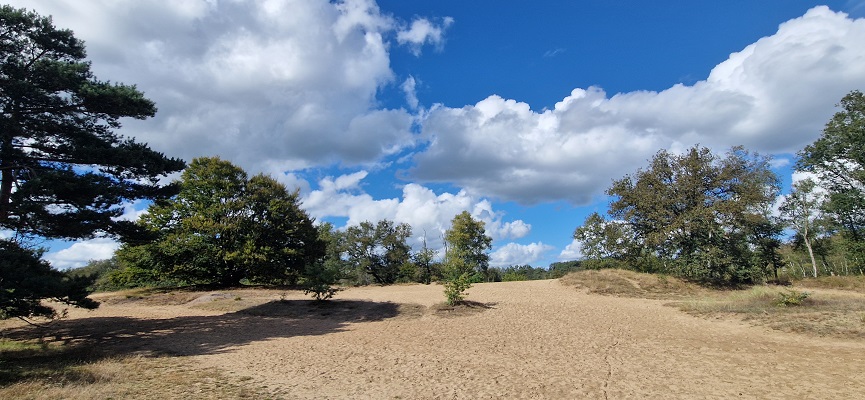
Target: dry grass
<point>617,282</point>
<point>854,283</point>
<point>34,369</point>
<point>132,377</point>
<point>823,313</point>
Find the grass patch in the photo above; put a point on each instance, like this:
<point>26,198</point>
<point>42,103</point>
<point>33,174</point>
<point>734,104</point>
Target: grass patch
<point>854,283</point>
<point>819,312</point>
<point>40,370</point>
<point>624,283</point>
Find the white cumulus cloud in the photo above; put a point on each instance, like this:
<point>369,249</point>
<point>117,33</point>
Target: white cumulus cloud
<point>773,96</point>
<point>571,252</point>
<point>428,213</point>
<point>518,254</point>
<point>79,253</point>
<point>423,31</point>
<point>274,86</point>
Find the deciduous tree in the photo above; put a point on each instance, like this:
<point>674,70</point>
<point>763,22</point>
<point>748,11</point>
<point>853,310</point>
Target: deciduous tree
<point>602,242</point>
<point>839,161</point>
<point>223,227</point>
<point>468,244</point>
<point>466,255</point>
<point>802,210</point>
<point>379,250</point>
<point>697,212</point>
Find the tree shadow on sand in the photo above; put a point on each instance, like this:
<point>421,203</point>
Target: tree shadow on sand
<point>196,335</point>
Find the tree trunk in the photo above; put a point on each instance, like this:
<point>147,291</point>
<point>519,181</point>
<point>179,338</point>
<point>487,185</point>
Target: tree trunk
<point>7,169</point>
<point>811,254</point>
<point>5,190</point>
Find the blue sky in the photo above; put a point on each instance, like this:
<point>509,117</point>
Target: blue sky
<point>519,112</point>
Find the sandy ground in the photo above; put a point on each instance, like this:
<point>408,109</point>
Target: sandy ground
<point>537,339</point>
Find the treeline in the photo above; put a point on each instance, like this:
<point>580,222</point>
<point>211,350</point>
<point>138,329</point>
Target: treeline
<point>711,218</point>
<point>224,228</point>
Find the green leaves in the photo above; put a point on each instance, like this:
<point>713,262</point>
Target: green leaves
<point>696,212</point>
<point>466,255</point>
<point>838,159</point>
<point>468,244</point>
<point>56,132</point>
<point>69,170</point>
<point>223,227</point>
<point>601,239</point>
<point>379,250</point>
<point>26,279</point>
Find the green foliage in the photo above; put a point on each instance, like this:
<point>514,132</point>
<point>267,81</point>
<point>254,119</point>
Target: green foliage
<point>513,277</point>
<point>802,210</point>
<point>223,228</point>
<point>379,250</point>
<point>64,172</point>
<point>26,279</point>
<point>455,288</point>
<point>791,298</point>
<point>838,160</point>
<point>521,273</point>
<point>466,259</point>
<point>697,214</point>
<point>427,269</point>
<point>58,150</point>
<point>98,271</point>
<point>560,269</point>
<point>320,276</point>
<point>318,280</point>
<point>468,242</point>
<point>606,263</point>
<point>602,239</point>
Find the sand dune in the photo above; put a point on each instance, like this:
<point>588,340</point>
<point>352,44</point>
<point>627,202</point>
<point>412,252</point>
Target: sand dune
<point>536,339</point>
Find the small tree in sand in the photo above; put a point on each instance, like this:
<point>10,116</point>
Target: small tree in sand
<point>466,254</point>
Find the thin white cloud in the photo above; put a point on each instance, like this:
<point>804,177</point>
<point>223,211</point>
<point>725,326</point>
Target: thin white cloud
<point>554,52</point>
<point>132,210</point>
<point>774,96</point>
<point>423,31</point>
<point>779,162</point>
<point>518,254</point>
<point>408,87</point>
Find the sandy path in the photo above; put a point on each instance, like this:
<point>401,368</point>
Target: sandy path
<point>544,340</point>
<point>540,339</point>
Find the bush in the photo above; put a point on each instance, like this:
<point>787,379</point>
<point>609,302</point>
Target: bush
<point>791,298</point>
<point>318,280</point>
<point>514,276</point>
<point>26,279</point>
<point>455,288</point>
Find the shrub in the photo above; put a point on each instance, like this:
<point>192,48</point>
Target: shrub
<point>455,288</point>
<point>318,280</point>
<point>791,298</point>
